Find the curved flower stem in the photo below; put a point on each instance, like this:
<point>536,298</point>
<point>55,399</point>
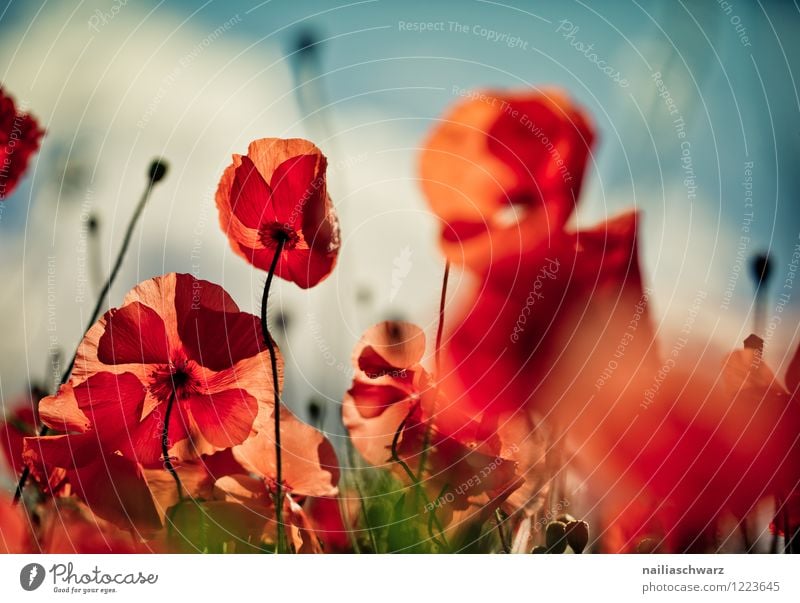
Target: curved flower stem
<point>273,358</point>
<point>426,442</point>
<point>165,448</point>
<point>156,173</point>
<point>440,329</point>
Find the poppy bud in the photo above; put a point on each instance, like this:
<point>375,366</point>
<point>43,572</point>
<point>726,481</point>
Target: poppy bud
<point>538,550</point>
<point>157,171</point>
<point>91,224</point>
<point>555,537</point>
<point>577,535</point>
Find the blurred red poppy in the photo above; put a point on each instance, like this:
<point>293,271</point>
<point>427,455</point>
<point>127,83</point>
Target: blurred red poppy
<point>278,193</point>
<point>15,536</point>
<point>20,134</point>
<point>503,172</point>
<point>703,447</point>
<point>549,330</point>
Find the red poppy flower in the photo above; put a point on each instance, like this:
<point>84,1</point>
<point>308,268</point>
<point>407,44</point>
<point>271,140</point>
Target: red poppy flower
<point>503,171</point>
<point>19,139</point>
<point>391,388</point>
<point>542,328</point>
<point>278,193</point>
<point>175,341</point>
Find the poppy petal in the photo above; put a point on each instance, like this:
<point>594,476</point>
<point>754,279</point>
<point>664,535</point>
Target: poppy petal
<point>218,340</point>
<point>251,197</point>
<point>134,334</point>
<point>224,418</point>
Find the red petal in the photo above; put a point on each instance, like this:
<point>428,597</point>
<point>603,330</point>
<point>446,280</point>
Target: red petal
<point>192,293</point>
<point>218,340</point>
<point>134,334</point>
<point>298,185</point>
<point>306,267</point>
<point>224,418</point>
<point>111,402</point>
<point>372,400</point>
<point>251,197</point>
<point>65,451</point>
<point>115,489</point>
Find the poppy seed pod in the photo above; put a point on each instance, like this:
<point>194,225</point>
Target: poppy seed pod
<point>158,170</point>
<point>577,535</point>
<point>556,537</point>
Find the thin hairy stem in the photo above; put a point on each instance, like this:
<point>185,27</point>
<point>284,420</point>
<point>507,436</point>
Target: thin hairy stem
<point>273,358</point>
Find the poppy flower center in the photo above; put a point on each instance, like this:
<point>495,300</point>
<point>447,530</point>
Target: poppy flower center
<point>178,379</point>
<point>273,233</point>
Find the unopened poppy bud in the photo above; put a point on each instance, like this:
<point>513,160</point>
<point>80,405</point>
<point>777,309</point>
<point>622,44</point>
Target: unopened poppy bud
<point>91,223</point>
<point>158,169</point>
<point>555,537</point>
<point>577,535</point>
<point>538,550</point>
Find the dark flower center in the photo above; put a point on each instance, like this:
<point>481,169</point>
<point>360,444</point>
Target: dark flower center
<point>273,233</point>
<point>178,379</point>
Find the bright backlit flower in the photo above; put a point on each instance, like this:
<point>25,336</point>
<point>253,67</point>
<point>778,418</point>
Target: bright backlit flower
<point>278,193</point>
